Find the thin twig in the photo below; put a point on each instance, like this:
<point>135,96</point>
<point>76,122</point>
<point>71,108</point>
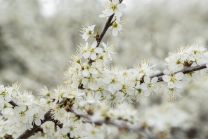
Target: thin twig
<point>185,71</point>
<point>13,103</point>
<point>107,25</point>
<point>99,39</point>
<point>119,124</point>
<point>48,117</point>
<point>28,133</point>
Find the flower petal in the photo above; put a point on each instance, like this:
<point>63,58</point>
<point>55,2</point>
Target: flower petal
<point>143,86</point>
<point>93,56</point>
<point>154,80</point>
<point>107,80</point>
<point>118,13</point>
<point>115,32</point>
<point>166,78</point>
<point>37,121</point>
<point>94,44</point>
<point>108,12</point>
<point>121,6</point>
<point>85,73</point>
<point>147,79</point>
<point>86,55</point>
<point>179,76</point>
<point>171,85</point>
<point>117,86</point>
<point>146,93</point>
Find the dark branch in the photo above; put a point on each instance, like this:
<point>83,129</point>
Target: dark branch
<point>119,124</point>
<point>185,71</point>
<point>28,133</point>
<point>99,39</point>
<point>107,25</point>
<point>13,104</point>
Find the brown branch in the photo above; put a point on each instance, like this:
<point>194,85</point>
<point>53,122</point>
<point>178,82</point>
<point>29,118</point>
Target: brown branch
<point>107,25</point>
<point>120,125</point>
<point>99,39</point>
<point>28,133</point>
<point>13,103</point>
<point>47,117</point>
<point>185,71</point>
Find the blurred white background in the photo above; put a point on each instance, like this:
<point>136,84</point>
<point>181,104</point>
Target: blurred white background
<point>37,38</point>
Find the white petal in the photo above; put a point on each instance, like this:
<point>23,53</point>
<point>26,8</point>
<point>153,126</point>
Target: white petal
<point>119,27</point>
<point>37,122</point>
<point>121,6</point>
<point>86,55</point>
<point>85,73</point>
<point>1,99</point>
<point>91,27</point>
<point>93,56</point>
<point>117,86</point>
<point>102,15</point>
<point>24,119</point>
<point>85,36</point>
<point>179,84</point>
<point>166,78</point>
<point>98,50</point>
<point>179,76</point>
<point>88,126</point>
<point>104,45</point>
<point>108,12</point>
<point>93,86</point>
<point>93,71</point>
<point>115,32</point>
<point>171,85</point>
<point>118,20</point>
<point>94,44</point>
<point>110,88</point>
<point>84,81</point>
<point>146,93</point>
<point>90,99</point>
<point>115,1</point>
<point>206,55</point>
<point>64,130</point>
<point>107,80</point>
<point>143,86</point>
<point>147,79</point>
<point>8,98</point>
<point>138,85</point>
<point>154,80</point>
<point>118,13</point>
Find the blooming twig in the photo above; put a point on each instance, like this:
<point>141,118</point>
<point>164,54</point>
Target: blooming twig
<point>185,71</point>
<point>118,124</point>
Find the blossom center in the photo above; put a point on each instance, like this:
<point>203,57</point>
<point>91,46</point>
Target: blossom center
<point>89,32</point>
<point>115,25</point>
<point>113,6</point>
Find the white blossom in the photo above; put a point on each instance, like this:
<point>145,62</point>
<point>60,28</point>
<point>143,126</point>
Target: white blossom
<point>113,7</point>
<point>87,31</point>
<point>91,51</point>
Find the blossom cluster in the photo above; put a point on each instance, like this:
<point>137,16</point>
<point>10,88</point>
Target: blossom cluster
<point>112,8</point>
<point>95,93</point>
<point>27,111</point>
<point>186,57</point>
